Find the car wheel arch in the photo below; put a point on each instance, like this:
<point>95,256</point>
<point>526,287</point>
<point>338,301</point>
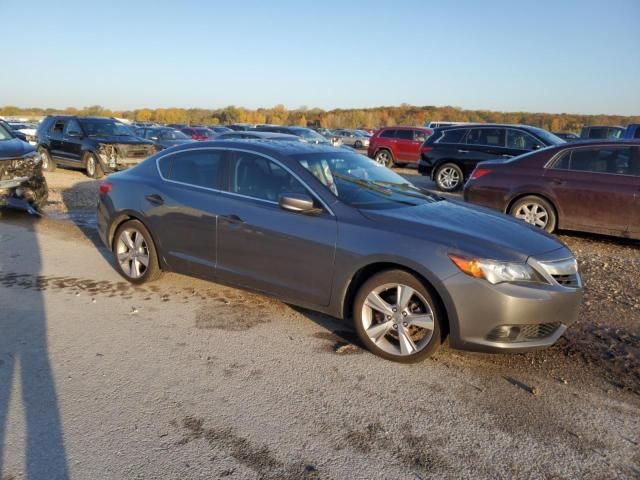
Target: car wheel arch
<point>545,197</point>
<point>387,149</point>
<point>125,216</point>
<point>367,271</point>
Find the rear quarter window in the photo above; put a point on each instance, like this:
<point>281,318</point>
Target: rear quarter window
<point>453,136</point>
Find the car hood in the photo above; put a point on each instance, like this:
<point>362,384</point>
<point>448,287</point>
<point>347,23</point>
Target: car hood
<point>468,229</point>
<point>122,140</point>
<point>14,148</point>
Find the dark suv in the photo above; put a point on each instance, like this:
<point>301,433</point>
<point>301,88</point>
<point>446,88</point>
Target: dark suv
<point>451,153</point>
<point>98,145</point>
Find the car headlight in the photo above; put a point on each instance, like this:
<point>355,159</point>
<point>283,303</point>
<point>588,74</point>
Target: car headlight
<point>35,156</point>
<point>496,272</point>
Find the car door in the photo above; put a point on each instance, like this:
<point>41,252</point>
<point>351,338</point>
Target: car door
<point>593,188</point>
<point>486,143</point>
<point>405,145</point>
<point>266,248</point>
<point>72,136</point>
<point>634,171</point>
<point>183,209</point>
<point>55,140</point>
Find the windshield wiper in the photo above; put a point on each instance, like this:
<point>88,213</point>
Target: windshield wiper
<point>408,189</point>
<point>372,186</point>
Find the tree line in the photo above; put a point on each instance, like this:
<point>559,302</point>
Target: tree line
<point>337,118</point>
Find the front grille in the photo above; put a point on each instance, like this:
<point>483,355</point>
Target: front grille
<point>569,281</point>
<point>522,333</point>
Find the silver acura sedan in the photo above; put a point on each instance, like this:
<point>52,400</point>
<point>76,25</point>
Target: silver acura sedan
<point>330,230</point>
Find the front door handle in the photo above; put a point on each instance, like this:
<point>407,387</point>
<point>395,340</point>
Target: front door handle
<point>155,199</point>
<point>463,151</point>
<point>557,181</point>
<point>233,219</point>
<point>507,156</point>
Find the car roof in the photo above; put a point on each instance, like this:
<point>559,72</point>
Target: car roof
<point>258,133</point>
<point>264,146</point>
<point>400,127</point>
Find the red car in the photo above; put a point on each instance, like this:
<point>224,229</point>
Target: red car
<point>199,134</point>
<point>591,186</point>
<point>397,145</point>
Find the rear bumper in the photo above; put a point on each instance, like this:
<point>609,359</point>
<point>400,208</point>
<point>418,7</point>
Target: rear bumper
<point>424,168</point>
<point>538,315</point>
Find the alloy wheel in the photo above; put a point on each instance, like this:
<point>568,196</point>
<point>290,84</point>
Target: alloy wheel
<point>91,166</point>
<point>383,158</point>
<point>533,213</point>
<point>449,178</point>
<point>132,253</point>
<point>398,319</point>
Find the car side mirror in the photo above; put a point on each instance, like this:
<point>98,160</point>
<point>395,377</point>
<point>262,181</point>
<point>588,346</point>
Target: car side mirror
<point>299,203</point>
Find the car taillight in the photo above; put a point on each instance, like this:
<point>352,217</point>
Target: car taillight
<point>479,172</point>
<point>105,187</point>
<point>426,149</point>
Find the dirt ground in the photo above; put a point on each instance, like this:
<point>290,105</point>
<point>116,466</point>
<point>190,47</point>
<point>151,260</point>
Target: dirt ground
<point>188,379</point>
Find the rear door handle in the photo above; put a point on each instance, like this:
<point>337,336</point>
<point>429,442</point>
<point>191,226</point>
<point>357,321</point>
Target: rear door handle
<point>557,181</point>
<point>233,219</point>
<point>155,199</point>
<point>463,151</point>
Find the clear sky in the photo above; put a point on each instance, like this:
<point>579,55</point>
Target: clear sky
<point>575,56</point>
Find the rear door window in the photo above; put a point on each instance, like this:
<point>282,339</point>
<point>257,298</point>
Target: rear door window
<point>492,137</point>
<point>453,136</point>
<point>388,134</point>
<point>200,168</point>
<point>404,135</point>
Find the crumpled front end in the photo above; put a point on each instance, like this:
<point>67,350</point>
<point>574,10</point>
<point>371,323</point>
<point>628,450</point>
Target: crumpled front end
<point>115,156</point>
<point>22,184</point>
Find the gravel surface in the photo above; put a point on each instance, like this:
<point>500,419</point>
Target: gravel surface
<point>188,379</point>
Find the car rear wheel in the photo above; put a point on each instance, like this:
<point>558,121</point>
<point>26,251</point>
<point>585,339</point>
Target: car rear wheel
<point>358,144</point>
<point>135,253</point>
<point>92,166</point>
<point>384,157</point>
<point>449,177</point>
<point>535,211</point>
<point>397,318</point>
<point>48,164</point>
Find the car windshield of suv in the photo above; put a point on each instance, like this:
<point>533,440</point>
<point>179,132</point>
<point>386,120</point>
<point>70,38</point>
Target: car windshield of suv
<point>548,137</point>
<point>105,128</point>
<point>171,134</point>
<point>362,183</point>
<point>309,135</point>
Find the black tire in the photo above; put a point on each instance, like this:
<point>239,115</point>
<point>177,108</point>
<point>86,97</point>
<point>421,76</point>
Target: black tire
<point>92,166</point>
<point>384,157</point>
<point>385,342</point>
<point>544,216</point>
<point>449,177</point>
<point>48,163</point>
<point>152,270</point>
<point>358,144</point>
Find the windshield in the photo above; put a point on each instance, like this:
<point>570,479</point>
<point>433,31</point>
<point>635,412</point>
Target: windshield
<point>548,137</point>
<point>105,128</point>
<point>362,183</point>
<point>170,134</point>
<point>4,133</point>
<point>309,135</point>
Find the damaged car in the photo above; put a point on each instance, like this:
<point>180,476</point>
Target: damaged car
<point>22,184</point>
<point>97,145</point>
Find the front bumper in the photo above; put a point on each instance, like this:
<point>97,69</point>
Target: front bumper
<point>536,314</point>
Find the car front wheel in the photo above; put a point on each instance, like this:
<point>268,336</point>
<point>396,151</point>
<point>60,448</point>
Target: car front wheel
<point>48,164</point>
<point>449,177</point>
<point>397,318</point>
<point>92,166</point>
<point>383,157</point>
<point>135,253</point>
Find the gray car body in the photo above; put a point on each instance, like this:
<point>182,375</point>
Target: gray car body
<point>319,261</point>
